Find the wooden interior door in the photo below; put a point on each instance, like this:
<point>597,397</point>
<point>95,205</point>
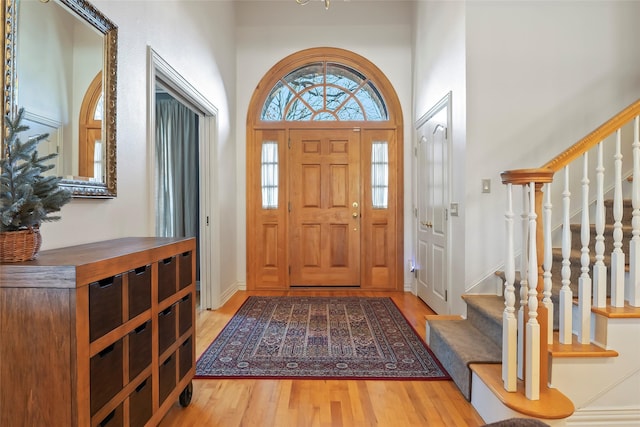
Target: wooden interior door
<point>324,226</point>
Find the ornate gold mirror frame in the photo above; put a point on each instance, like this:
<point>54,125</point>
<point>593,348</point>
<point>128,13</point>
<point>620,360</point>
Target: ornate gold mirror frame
<point>83,10</point>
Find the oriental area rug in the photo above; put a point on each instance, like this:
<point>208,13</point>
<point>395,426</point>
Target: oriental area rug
<point>319,337</point>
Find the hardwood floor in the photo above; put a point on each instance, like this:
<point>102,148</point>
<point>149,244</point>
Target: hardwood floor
<point>305,403</point>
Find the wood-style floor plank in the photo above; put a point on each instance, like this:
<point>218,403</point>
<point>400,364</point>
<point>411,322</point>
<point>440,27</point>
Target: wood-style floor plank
<point>311,403</point>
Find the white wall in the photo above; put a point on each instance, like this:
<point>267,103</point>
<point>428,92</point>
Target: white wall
<point>540,76</point>
<point>269,31</point>
<point>439,68</point>
<point>528,79</point>
<point>198,40</point>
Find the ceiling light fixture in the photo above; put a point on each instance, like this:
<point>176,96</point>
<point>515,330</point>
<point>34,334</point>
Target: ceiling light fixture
<point>303,2</point>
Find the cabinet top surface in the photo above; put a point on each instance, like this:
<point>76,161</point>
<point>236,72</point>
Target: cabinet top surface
<point>115,256</point>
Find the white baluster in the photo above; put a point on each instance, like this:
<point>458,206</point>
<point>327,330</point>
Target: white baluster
<point>617,256</point>
<point>524,281</point>
<point>532,334</point>
<point>634,247</point>
<point>566,295</point>
<point>584,284</point>
<point>599,268</point>
<point>509,322</point>
<point>548,257</point>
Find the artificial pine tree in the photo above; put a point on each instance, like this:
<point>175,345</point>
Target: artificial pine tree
<point>27,198</point>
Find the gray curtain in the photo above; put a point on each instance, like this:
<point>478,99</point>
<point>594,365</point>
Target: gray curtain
<point>177,169</point>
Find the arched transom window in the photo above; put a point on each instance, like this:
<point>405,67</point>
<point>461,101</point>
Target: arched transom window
<point>324,91</point>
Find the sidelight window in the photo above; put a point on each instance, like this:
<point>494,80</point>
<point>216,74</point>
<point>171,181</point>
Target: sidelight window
<point>269,166</point>
<point>380,174</point>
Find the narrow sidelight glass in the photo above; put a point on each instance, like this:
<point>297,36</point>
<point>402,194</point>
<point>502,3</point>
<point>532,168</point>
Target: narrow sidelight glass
<point>269,165</point>
<point>380,174</point>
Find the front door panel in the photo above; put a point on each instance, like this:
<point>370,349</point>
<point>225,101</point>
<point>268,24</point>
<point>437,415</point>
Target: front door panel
<point>324,226</point>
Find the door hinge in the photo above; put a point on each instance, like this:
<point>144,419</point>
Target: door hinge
<point>289,207</point>
<point>207,220</point>
<point>415,212</point>
<point>415,151</point>
<point>289,143</point>
<point>446,295</point>
<point>446,214</point>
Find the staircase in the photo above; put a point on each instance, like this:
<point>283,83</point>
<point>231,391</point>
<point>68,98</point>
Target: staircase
<point>576,247</point>
<point>463,344</point>
<point>594,379</point>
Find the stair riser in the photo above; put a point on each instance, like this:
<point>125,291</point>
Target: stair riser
<point>456,367</point>
<point>489,326</point>
<point>627,211</point>
<point>576,239</point>
<point>576,271</point>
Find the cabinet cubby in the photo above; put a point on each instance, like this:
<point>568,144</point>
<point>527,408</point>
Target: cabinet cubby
<point>139,349</point>
<point>95,313</point>
<point>185,308</point>
<point>115,418</point>
<point>105,306</point>
<point>186,357</point>
<point>166,328</point>
<point>140,404</point>
<point>139,290</point>
<point>185,269</point>
<point>167,376</point>
<point>166,278</point>
<point>106,375</point>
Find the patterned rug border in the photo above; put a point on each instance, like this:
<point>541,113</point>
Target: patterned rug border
<point>443,377</point>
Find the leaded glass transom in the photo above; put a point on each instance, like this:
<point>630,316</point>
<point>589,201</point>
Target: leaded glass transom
<point>324,91</point>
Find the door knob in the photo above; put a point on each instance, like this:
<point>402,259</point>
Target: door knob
<point>355,214</point>
<point>427,224</point>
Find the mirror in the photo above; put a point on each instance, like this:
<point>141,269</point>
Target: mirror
<point>64,76</point>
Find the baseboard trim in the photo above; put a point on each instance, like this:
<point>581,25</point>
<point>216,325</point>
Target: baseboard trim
<point>604,417</point>
<point>230,291</point>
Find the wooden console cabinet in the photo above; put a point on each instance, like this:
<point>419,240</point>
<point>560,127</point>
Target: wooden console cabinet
<point>99,334</point>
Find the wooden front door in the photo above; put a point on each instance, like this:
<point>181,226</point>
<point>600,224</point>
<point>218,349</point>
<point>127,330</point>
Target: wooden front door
<point>324,175</point>
<point>324,226</point>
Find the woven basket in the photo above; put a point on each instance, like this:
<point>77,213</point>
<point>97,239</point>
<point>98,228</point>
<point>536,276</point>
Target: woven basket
<point>21,245</point>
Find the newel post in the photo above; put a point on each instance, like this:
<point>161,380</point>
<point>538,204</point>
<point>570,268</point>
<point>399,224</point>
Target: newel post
<point>535,178</point>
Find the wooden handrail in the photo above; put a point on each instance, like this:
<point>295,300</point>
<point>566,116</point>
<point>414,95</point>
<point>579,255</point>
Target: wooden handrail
<point>589,141</point>
<point>526,176</point>
<point>543,175</point>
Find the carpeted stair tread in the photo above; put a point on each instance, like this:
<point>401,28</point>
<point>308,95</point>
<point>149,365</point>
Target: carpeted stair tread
<point>501,275</point>
<point>485,313</point>
<point>478,338</point>
<point>491,305</point>
<point>457,343</point>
